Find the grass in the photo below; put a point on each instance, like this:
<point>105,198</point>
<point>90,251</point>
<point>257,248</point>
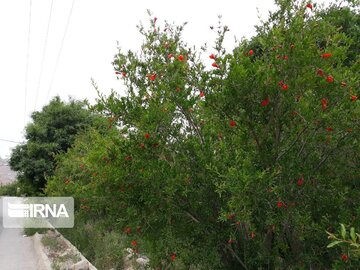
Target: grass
<point>104,249</point>
<point>10,189</point>
<point>32,231</point>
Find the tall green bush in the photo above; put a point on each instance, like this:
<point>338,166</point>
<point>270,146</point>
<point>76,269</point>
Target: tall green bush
<point>242,161</point>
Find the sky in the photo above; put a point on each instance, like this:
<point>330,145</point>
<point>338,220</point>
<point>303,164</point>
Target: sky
<point>72,41</point>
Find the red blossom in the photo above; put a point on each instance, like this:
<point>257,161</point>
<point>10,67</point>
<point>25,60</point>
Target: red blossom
<point>265,102</point>
<point>251,52</point>
<point>152,77</point>
<point>232,123</point>
<point>202,94</point>
<point>173,256</point>
<point>330,79</point>
<point>181,57</point>
<point>326,55</point>
<point>300,181</point>
<point>212,56</point>
<point>230,241</point>
<point>134,243</point>
<point>329,129</point>
<point>117,72</point>
<point>310,6</point>
<point>285,57</point>
<point>170,55</point>
<point>320,72</point>
<point>147,135</point>
<point>127,230</point>
<point>279,204</point>
<point>123,74</point>
<point>344,257</point>
<point>353,98</point>
<point>215,65</point>
<point>285,87</point>
<point>324,103</point>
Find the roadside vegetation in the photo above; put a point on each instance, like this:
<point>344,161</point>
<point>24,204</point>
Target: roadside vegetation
<point>217,160</point>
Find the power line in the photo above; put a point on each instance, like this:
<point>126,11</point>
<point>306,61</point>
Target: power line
<point>43,55</point>
<point>61,47</point>
<point>10,141</point>
<point>27,62</point>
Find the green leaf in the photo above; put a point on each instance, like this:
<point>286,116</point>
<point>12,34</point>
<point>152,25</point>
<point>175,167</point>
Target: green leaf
<point>352,234</point>
<point>333,244</point>
<point>343,231</point>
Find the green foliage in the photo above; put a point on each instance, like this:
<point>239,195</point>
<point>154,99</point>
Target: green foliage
<point>99,244</point>
<point>9,189</point>
<point>239,165</point>
<point>349,242</point>
<point>52,131</point>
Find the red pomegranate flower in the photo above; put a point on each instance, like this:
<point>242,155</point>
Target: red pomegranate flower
<point>320,72</point>
<point>344,257</point>
<point>127,230</point>
<point>152,77</point>
<point>202,94</point>
<point>310,6</point>
<point>251,52</point>
<point>170,55</point>
<point>329,129</point>
<point>147,135</point>
<point>134,243</point>
<point>215,65</point>
<point>181,57</point>
<point>326,55</point>
<point>123,74</point>
<point>265,102</point>
<point>353,98</point>
<point>279,204</point>
<point>324,103</point>
<point>232,123</point>
<point>285,57</point>
<point>300,181</point>
<point>330,79</point>
<point>212,56</point>
<point>173,256</point>
<point>285,87</point>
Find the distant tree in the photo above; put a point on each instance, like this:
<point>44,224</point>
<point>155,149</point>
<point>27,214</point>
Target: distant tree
<point>52,131</point>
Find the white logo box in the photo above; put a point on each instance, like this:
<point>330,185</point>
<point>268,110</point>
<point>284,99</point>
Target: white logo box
<point>38,212</point>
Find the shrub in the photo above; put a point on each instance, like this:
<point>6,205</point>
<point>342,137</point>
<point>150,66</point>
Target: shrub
<point>240,164</point>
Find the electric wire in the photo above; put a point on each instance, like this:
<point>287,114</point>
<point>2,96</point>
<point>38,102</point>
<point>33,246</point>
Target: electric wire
<point>43,55</point>
<point>27,62</point>
<point>60,50</point>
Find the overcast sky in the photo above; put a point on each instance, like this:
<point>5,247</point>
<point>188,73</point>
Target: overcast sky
<point>89,46</point>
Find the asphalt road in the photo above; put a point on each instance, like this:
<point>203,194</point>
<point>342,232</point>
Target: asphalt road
<point>16,252</point>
